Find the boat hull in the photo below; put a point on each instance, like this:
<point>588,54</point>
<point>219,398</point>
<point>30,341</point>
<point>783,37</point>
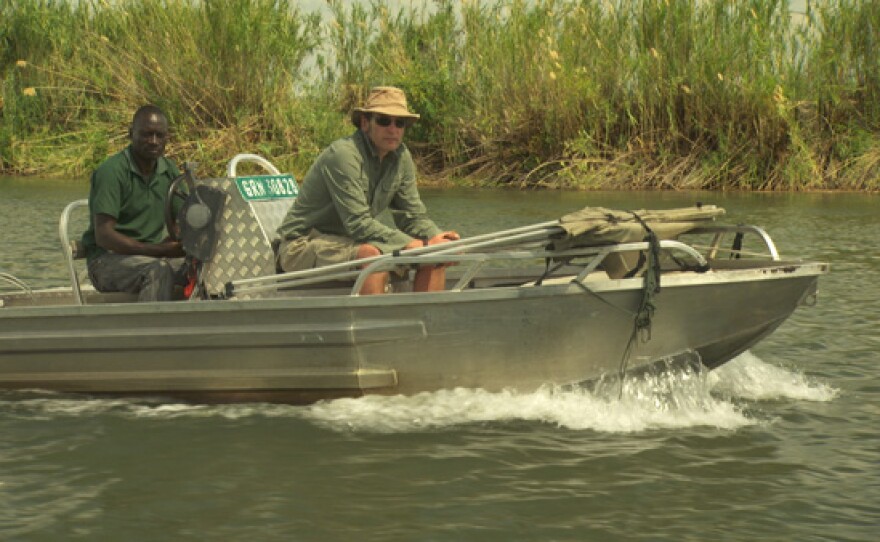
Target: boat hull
<point>303,349</point>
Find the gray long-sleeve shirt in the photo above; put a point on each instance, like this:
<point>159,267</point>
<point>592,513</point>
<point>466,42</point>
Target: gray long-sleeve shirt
<point>348,187</point>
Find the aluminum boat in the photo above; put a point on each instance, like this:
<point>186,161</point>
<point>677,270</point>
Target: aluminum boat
<point>598,292</point>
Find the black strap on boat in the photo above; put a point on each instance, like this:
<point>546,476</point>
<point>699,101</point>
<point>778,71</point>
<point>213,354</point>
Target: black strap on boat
<point>549,270</point>
<point>685,266</point>
<point>736,249</point>
<point>651,286</point>
<point>636,268</point>
<point>651,280</point>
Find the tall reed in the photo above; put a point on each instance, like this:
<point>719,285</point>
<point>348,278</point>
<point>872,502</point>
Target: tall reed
<point>225,72</point>
<point>563,93</point>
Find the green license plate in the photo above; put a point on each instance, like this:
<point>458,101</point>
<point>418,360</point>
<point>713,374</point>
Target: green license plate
<point>260,187</point>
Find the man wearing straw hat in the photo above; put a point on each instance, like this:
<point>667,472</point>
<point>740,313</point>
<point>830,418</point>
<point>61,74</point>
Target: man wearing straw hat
<point>355,179</point>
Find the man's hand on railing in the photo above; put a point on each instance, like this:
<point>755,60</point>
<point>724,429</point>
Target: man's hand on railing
<point>444,237</point>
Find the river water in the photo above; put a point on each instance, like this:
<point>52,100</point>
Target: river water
<point>780,444</point>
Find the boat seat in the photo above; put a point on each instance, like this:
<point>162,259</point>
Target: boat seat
<point>245,228</point>
<point>73,250</point>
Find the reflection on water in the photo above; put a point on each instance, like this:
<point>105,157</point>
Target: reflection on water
<point>456,457</point>
<point>29,213</point>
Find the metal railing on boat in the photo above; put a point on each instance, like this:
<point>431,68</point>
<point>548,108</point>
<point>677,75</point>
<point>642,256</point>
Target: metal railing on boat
<point>523,243</point>
<point>462,252</point>
<point>68,249</point>
<point>720,230</point>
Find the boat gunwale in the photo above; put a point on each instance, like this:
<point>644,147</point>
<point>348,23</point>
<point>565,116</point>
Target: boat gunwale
<point>775,270</point>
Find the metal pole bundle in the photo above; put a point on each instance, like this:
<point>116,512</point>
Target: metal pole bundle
<point>349,270</point>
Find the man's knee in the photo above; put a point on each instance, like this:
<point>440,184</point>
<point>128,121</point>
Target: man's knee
<point>367,251</point>
<point>161,279</point>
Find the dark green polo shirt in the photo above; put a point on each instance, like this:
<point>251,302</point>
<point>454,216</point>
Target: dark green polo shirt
<point>348,188</point>
<point>118,189</point>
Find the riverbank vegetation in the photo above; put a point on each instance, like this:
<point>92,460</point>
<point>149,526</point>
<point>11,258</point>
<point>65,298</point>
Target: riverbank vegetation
<point>578,94</point>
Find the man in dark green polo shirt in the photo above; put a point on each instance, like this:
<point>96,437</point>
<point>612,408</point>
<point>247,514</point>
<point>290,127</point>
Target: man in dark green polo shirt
<point>126,244</point>
<point>357,178</point>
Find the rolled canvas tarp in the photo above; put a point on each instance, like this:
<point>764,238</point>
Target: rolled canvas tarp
<point>598,225</point>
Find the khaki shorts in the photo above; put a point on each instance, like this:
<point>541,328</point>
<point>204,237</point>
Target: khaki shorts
<point>315,250</point>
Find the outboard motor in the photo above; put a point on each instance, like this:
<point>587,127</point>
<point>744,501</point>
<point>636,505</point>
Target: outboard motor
<point>198,222</point>
<point>195,224</point>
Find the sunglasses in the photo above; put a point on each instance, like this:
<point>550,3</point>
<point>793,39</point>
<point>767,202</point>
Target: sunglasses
<point>385,121</point>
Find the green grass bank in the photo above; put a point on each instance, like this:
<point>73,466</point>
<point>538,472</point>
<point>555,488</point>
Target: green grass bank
<point>611,94</point>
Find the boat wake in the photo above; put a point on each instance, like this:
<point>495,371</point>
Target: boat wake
<point>748,377</point>
<point>674,397</point>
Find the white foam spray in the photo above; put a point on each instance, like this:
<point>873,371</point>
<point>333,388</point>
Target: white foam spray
<point>676,397</point>
<point>748,377</point>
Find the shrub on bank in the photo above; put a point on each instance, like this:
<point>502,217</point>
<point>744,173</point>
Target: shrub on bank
<point>644,94</point>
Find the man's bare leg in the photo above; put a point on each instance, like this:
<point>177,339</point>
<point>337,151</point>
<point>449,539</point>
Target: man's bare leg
<point>375,283</point>
<point>430,278</point>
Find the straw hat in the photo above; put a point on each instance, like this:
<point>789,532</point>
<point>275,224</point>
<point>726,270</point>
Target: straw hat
<point>389,101</point>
